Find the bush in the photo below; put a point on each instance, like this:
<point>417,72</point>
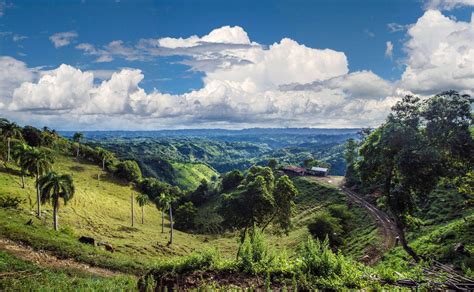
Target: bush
<point>324,225</point>
<point>201,194</point>
<point>231,180</point>
<point>184,216</point>
<point>254,254</point>
<point>32,136</point>
<point>129,170</point>
<point>10,202</point>
<point>326,269</point>
<point>342,213</point>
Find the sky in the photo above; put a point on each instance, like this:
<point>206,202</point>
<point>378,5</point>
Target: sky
<point>148,65</point>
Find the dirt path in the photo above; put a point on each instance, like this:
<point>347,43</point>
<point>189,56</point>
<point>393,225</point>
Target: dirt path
<point>46,259</point>
<point>385,223</point>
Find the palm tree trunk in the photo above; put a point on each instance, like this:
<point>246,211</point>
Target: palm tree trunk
<point>55,216</point>
<point>38,194</point>
<point>162,221</point>
<point>143,214</point>
<point>103,163</point>
<point>171,225</point>
<point>77,153</point>
<point>8,154</point>
<point>133,217</point>
<point>22,180</point>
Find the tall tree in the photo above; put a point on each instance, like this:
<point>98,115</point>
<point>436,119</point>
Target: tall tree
<point>160,203</point>
<point>37,161</point>
<point>143,200</point>
<point>55,187</point>
<point>448,119</point>
<point>284,194</point>
<point>104,156</point>
<point>272,163</point>
<point>9,131</point>
<point>231,180</point>
<point>350,156</point>
<point>165,201</point>
<point>410,152</point>
<point>77,137</point>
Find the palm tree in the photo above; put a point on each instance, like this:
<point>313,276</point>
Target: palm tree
<point>10,130</point>
<point>160,203</point>
<point>104,155</point>
<point>143,200</point>
<point>19,153</point>
<point>54,187</point>
<point>167,200</point>
<point>37,161</point>
<point>77,138</point>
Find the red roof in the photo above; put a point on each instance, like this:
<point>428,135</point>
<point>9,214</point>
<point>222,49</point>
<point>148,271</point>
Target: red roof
<point>294,168</point>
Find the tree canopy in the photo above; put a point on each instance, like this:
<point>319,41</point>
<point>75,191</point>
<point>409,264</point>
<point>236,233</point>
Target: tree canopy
<point>419,143</point>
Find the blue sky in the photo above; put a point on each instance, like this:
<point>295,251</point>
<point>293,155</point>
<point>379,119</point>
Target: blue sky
<point>360,30</point>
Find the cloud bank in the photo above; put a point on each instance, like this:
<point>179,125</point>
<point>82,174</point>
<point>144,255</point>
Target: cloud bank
<point>246,84</point>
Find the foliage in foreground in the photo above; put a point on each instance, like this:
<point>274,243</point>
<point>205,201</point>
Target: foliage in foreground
<point>315,266</point>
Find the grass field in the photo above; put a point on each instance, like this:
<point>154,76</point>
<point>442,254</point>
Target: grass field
<point>101,209</point>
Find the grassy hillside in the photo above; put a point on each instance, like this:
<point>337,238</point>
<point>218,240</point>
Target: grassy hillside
<point>19,275</point>
<point>100,209</point>
<point>189,175</point>
<point>315,195</point>
<point>446,219</point>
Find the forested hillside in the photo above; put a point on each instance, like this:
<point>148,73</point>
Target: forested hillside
<point>225,150</point>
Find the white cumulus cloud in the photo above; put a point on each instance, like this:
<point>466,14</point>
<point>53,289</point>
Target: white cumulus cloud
<point>12,74</point>
<point>225,34</point>
<point>64,88</point>
<point>440,55</point>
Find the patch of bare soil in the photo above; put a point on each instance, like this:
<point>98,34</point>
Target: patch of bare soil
<point>46,259</point>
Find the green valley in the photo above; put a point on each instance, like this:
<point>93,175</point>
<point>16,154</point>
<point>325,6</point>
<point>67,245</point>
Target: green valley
<point>185,212</point>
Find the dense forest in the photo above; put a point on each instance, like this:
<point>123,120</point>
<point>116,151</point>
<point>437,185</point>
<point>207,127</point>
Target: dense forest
<point>160,155</point>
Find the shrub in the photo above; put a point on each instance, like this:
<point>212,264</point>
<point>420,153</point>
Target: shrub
<point>231,180</point>
<point>254,254</point>
<point>342,213</point>
<point>129,170</point>
<point>10,202</point>
<point>184,216</point>
<point>324,268</point>
<point>32,136</point>
<point>324,225</point>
